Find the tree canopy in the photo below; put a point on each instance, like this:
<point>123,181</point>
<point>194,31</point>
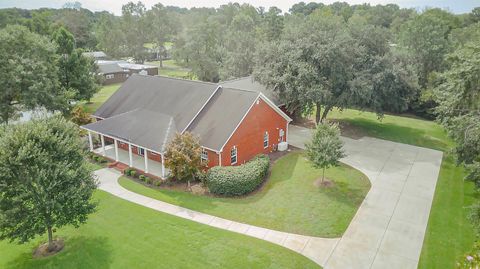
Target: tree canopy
<point>76,72</point>
<point>323,62</point>
<point>28,73</point>
<point>45,181</point>
<point>183,156</point>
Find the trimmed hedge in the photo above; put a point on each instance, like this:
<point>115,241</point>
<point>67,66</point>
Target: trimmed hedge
<point>237,180</point>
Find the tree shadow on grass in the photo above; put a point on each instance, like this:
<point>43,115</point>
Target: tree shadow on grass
<point>396,133</point>
<point>343,193</point>
<point>79,252</point>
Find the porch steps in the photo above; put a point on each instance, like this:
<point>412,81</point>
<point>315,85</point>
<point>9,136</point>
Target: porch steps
<point>118,166</point>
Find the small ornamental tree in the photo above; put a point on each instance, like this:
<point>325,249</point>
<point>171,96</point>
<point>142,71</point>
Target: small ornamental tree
<point>45,181</point>
<point>183,156</point>
<point>325,148</point>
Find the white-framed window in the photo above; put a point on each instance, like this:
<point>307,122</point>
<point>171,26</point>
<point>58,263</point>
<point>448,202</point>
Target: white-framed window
<point>233,155</point>
<point>141,151</point>
<point>265,140</point>
<point>204,155</point>
<point>109,76</point>
<point>281,135</point>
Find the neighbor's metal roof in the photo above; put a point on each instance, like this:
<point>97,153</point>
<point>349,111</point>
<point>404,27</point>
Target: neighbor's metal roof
<point>109,68</point>
<point>95,54</point>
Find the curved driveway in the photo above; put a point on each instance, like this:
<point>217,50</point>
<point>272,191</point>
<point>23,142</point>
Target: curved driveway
<point>389,227</point>
<point>386,232</point>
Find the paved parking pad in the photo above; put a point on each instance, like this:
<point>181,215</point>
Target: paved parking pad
<point>389,227</point>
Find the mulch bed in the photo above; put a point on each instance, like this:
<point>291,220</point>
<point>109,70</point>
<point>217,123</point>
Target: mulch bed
<point>43,251</point>
<point>325,184</point>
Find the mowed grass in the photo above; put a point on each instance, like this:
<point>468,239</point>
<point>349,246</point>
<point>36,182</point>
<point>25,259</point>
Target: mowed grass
<point>288,202</point>
<point>449,233</point>
<point>100,97</point>
<point>172,69</point>
<point>125,235</point>
<point>406,130</point>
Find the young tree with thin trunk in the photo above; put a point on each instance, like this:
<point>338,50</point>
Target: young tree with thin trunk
<point>183,156</point>
<point>45,181</point>
<point>325,148</point>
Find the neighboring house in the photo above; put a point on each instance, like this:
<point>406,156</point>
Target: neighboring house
<point>112,73</point>
<point>97,55</point>
<point>119,71</point>
<point>139,120</point>
<point>247,83</point>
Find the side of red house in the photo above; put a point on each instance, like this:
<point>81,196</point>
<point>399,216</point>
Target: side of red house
<point>260,132</point>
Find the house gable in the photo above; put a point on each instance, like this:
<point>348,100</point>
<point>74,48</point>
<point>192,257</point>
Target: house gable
<point>248,138</point>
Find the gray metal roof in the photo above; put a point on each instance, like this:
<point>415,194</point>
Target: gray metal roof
<point>181,99</point>
<point>221,115</point>
<point>247,83</point>
<point>95,54</point>
<point>109,68</point>
<point>141,127</point>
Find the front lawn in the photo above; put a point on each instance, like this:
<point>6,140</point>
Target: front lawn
<point>125,235</point>
<point>449,233</point>
<point>288,202</point>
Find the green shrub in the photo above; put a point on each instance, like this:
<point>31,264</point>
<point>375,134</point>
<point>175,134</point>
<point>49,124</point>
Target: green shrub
<point>157,183</point>
<point>237,180</point>
<point>148,180</point>
<point>133,173</point>
<point>141,177</point>
<point>127,171</point>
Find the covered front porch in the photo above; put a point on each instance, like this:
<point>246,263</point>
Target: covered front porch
<point>147,161</point>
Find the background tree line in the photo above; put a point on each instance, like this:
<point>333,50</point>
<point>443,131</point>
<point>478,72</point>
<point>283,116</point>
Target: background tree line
<point>387,42</point>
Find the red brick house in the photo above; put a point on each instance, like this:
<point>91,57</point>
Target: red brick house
<point>136,123</point>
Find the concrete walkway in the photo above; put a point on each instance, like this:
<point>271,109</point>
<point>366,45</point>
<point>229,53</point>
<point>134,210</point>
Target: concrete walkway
<point>389,227</point>
<point>386,232</point>
<point>317,249</point>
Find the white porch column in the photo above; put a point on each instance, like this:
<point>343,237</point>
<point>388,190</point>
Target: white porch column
<point>130,155</point>
<point>116,149</point>
<point>163,167</point>
<point>90,140</point>
<point>103,145</point>
<point>146,160</point>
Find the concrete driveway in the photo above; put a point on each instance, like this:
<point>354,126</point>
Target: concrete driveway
<point>389,227</point>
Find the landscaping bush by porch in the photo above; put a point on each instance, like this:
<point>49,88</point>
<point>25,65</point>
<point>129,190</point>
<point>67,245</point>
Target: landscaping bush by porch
<point>238,180</point>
